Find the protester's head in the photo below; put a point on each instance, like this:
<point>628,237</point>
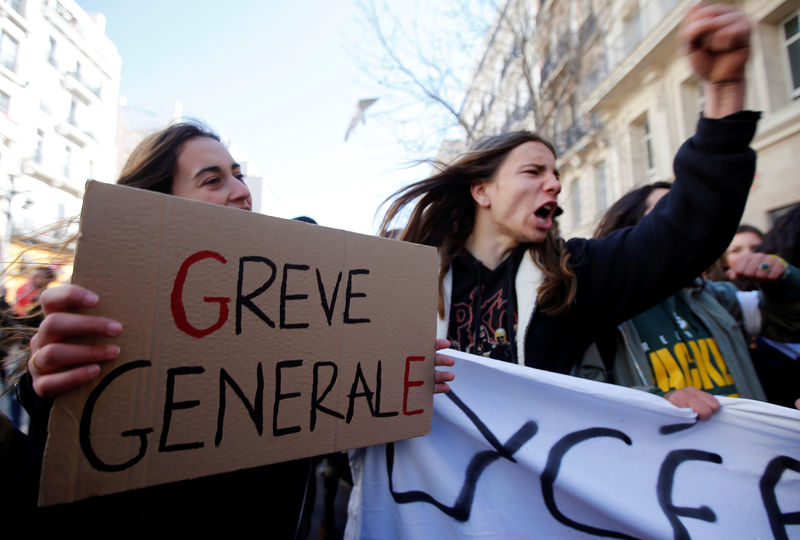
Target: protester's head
<point>507,181</point>
<point>306,219</point>
<point>187,160</point>
<point>631,208</point>
<point>42,277</point>
<point>783,238</point>
<point>746,240</point>
<point>448,201</point>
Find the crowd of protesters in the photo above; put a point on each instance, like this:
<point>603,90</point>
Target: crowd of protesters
<point>577,306</point>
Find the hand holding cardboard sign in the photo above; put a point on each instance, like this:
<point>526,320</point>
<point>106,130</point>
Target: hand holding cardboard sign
<point>56,365</point>
<point>443,377</point>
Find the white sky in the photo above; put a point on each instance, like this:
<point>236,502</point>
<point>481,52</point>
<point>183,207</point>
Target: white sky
<point>274,78</point>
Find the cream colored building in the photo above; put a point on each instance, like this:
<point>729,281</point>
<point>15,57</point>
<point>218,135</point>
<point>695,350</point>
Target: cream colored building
<point>610,88</point>
<point>59,87</point>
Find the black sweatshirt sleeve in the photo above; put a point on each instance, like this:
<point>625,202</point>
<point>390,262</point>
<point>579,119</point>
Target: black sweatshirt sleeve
<point>637,267</point>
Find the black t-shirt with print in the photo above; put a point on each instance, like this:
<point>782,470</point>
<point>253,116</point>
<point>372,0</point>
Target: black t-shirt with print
<point>484,307</point>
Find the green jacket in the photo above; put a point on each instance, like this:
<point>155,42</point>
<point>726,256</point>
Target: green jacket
<point>718,306</point>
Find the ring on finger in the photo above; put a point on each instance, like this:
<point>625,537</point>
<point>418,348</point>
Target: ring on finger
<point>33,359</point>
<point>764,266</point>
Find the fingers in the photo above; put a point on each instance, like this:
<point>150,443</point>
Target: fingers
<point>758,266</point>
<point>716,39</point>
<point>702,403</point>
<point>717,27</point>
<point>57,366</point>
<point>442,360</point>
<point>441,378</point>
<point>62,356</point>
<point>64,297</point>
<point>57,383</point>
<point>57,326</point>
<point>441,389</point>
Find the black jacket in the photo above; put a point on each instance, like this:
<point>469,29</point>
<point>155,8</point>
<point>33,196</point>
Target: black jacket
<point>632,269</point>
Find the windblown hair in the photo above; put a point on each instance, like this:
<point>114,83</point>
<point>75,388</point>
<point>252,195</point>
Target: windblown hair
<point>16,329</point>
<point>152,163</point>
<point>628,210</point>
<point>443,215</point>
<point>783,238</point>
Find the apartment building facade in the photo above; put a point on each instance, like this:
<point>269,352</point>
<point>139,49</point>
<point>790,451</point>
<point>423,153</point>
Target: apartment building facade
<point>605,81</point>
<point>59,88</point>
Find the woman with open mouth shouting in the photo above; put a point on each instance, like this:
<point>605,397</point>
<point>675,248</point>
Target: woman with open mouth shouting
<point>512,289</point>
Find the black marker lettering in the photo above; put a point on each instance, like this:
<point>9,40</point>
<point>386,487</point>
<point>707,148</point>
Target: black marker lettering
<point>247,300</point>
<point>316,403</point>
<point>378,412</point>
<point>276,431</point>
<point>326,306</point>
<point>666,477</point>
<point>285,297</point>
<point>550,473</point>
<point>350,294</point>
<point>86,423</point>
<point>772,475</point>
<point>255,409</point>
<point>367,393</point>
<point>170,406</point>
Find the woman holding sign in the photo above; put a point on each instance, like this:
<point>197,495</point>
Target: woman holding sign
<point>188,161</point>
<point>512,289</point>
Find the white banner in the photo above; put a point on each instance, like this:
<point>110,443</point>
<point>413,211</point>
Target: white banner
<point>521,453</point>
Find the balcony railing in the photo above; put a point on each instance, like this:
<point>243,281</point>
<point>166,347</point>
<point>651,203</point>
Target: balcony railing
<point>650,15</point>
<point>587,29</point>
<point>573,134</point>
<point>94,89</point>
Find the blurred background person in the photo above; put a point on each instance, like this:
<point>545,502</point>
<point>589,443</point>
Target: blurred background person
<point>691,346</point>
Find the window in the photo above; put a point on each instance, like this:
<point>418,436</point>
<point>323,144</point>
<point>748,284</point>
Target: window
<point>5,102</point>
<point>67,160</point>
<point>648,144</point>
<point>601,186</point>
<point>642,157</point>
<point>37,152</point>
<point>9,47</point>
<point>73,106</point>
<point>16,5</point>
<point>791,35</point>
<point>692,101</point>
<point>632,32</point>
<point>576,202</point>
<point>51,53</point>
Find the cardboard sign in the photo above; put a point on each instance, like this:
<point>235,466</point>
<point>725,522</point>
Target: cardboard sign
<point>247,340</point>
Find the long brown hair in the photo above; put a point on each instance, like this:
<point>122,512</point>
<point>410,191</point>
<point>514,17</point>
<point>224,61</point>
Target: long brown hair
<point>443,215</point>
<point>628,210</point>
<point>152,163</point>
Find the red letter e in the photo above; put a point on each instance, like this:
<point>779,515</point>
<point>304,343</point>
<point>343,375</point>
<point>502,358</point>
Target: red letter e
<point>407,384</point>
